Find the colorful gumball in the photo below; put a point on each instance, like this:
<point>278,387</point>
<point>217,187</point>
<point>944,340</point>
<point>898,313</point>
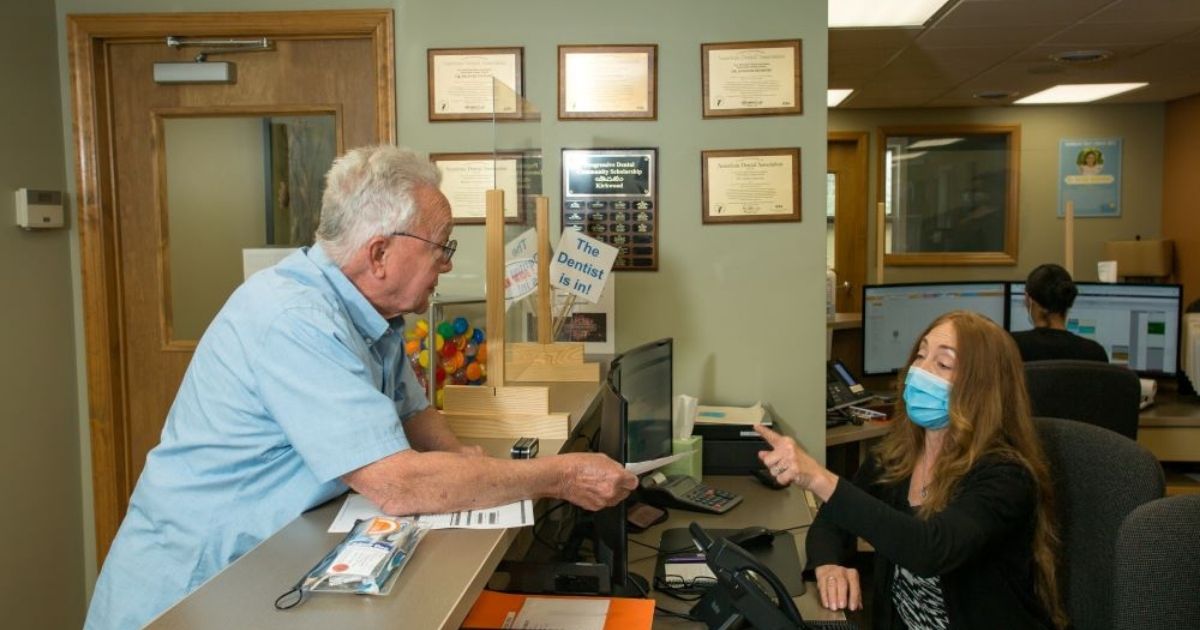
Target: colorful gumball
<point>477,336</point>
<point>460,325</point>
<point>438,342</point>
<point>423,358</point>
<point>470,350</point>
<point>473,372</point>
<point>448,350</point>
<point>481,352</point>
<point>421,328</point>
<point>412,346</point>
<point>438,398</point>
<point>440,374</point>
<point>446,329</point>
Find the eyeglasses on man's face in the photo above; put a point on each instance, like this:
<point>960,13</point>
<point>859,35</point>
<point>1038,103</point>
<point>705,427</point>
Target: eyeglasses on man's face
<point>448,247</point>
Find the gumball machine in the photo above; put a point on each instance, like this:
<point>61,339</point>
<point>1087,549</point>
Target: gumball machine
<point>448,345</point>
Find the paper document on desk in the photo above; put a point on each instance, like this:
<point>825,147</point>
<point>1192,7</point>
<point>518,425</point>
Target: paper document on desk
<point>516,514</point>
<point>638,468</point>
<point>546,613</point>
<point>754,414</point>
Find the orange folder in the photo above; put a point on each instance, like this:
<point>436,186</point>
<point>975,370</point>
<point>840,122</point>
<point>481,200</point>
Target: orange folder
<point>491,609</point>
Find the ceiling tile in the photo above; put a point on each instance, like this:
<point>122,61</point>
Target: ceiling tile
<point>1111,34</point>
<point>1130,11</point>
<point>1019,13</point>
<point>948,37</point>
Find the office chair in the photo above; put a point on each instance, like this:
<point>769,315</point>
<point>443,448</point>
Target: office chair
<point>1158,566</point>
<point>1088,391</point>
<point>1099,478</point>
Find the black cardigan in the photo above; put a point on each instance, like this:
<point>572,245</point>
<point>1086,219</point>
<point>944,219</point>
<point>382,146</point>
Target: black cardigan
<point>980,544</point>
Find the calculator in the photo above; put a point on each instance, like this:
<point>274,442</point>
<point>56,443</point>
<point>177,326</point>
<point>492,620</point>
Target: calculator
<point>685,493</point>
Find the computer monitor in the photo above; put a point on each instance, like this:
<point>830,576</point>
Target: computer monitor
<point>635,426</point>
<point>894,314</point>
<point>1138,324</point>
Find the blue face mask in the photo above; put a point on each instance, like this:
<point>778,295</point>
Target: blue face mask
<point>927,399</point>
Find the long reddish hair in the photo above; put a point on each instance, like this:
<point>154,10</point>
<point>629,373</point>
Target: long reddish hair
<point>989,416</point>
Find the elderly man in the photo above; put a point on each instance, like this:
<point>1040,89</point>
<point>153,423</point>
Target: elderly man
<point>300,388</point>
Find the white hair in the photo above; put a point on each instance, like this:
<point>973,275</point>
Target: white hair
<point>369,192</point>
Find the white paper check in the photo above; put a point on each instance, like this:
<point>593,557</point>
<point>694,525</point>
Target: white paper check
<point>518,514</point>
<point>638,468</point>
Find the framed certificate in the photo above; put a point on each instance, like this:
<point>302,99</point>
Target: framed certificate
<point>751,78</point>
<point>461,86</point>
<point>751,185</point>
<point>608,82</point>
<point>467,176</point>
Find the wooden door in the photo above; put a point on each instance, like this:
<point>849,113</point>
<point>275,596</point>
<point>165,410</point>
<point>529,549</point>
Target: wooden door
<point>847,166</point>
<point>335,63</point>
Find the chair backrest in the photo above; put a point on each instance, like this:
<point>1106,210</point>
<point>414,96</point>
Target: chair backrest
<point>1158,566</point>
<point>1099,478</point>
<point>1097,393</point>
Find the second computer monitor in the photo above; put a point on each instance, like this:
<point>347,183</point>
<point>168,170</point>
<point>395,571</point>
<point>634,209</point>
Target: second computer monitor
<point>1138,324</point>
<point>895,314</point>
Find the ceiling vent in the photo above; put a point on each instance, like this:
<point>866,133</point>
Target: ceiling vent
<point>1081,56</point>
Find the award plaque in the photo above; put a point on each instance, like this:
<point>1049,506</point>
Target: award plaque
<point>612,196</point>
<point>750,185</point>
<point>751,78</point>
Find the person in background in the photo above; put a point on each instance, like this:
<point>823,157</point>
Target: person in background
<point>299,389</point>
<point>956,499</point>
<point>1049,294</point>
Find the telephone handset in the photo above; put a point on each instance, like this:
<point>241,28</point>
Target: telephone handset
<point>747,594</point>
<point>841,389</point>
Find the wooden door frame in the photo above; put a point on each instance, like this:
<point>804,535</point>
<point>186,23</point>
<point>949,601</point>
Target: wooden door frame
<point>861,140</point>
<point>99,231</point>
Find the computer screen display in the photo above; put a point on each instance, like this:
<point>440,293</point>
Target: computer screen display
<point>635,425</point>
<point>1138,324</point>
<point>894,314</point>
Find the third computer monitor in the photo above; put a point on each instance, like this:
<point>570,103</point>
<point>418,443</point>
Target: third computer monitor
<point>895,314</point>
<point>1138,324</point>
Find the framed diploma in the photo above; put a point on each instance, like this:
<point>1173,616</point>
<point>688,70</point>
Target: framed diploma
<point>608,82</point>
<point>751,185</point>
<point>461,87</point>
<point>467,176</point>
<point>751,78</point>
<point>612,196</point>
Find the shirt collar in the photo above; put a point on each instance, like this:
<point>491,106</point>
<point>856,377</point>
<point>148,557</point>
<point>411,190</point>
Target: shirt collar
<point>370,324</point>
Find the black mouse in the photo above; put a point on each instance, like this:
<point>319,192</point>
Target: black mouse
<point>754,537</point>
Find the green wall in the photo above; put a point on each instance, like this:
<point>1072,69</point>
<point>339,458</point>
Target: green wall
<point>1041,231</point>
<point>743,302</point>
<point>40,482</point>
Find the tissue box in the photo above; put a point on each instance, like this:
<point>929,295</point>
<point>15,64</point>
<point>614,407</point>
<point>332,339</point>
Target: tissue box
<point>692,465</point>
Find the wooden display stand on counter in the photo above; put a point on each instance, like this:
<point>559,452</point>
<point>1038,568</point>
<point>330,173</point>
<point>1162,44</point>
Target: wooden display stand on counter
<point>496,410</point>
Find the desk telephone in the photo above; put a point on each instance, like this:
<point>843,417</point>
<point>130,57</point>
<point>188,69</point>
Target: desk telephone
<point>685,493</point>
<point>747,593</point>
<point>841,389</point>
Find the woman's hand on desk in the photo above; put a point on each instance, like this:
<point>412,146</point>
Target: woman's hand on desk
<point>791,464</point>
<point>839,587</point>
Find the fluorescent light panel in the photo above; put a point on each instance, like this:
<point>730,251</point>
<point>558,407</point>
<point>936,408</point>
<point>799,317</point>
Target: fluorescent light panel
<point>833,98</point>
<point>876,13</point>
<point>1078,93</point>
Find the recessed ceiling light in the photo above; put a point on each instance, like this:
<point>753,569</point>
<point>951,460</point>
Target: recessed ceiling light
<point>1078,93</point>
<point>1081,56</point>
<point>873,13</point>
<point>930,143</point>
<point>833,98</point>
<point>994,95</point>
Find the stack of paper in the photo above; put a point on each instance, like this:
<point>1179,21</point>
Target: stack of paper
<point>518,514</point>
<point>754,414</point>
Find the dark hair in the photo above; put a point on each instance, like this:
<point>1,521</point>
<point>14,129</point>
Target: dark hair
<point>1051,287</point>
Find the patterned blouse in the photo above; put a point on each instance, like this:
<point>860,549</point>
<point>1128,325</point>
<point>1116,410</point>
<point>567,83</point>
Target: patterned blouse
<point>919,601</point>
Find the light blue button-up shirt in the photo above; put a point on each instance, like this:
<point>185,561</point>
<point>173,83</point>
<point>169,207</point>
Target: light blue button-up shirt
<point>297,381</point>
